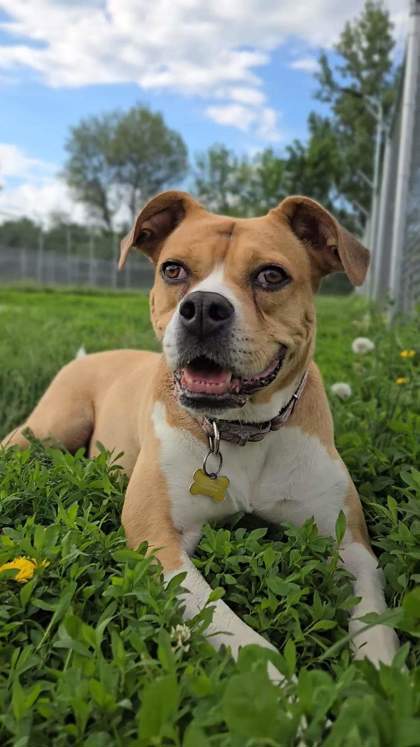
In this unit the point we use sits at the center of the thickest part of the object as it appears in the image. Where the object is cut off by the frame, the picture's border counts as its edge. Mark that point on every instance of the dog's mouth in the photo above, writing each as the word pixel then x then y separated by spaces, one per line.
pixel 204 382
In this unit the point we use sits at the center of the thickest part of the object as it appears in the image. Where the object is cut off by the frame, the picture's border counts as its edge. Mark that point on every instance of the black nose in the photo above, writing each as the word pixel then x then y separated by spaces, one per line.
pixel 204 313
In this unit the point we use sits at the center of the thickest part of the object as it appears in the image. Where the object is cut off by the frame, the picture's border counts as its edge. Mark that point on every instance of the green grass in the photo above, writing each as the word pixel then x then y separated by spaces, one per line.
pixel 41 331
pixel 88 652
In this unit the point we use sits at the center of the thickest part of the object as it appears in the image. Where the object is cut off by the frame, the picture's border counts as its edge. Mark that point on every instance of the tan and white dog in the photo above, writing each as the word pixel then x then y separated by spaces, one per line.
pixel 233 303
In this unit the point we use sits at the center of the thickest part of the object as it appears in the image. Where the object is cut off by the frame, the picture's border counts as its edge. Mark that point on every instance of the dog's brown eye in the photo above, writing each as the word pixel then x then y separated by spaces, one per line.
pixel 271 277
pixel 173 272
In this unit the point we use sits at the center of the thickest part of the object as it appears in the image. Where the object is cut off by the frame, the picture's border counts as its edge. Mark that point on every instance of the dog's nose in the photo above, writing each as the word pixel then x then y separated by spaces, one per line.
pixel 205 313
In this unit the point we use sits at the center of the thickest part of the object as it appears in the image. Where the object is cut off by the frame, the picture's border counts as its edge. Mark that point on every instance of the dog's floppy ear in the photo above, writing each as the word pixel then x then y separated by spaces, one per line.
pixel 155 222
pixel 331 247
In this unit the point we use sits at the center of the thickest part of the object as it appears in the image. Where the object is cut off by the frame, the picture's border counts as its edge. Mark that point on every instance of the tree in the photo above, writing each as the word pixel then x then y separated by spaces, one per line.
pixel 314 168
pixel 90 171
pixel 268 183
pixel 122 156
pixel 147 155
pixel 361 81
pixel 219 180
pixel 20 232
pixel 238 185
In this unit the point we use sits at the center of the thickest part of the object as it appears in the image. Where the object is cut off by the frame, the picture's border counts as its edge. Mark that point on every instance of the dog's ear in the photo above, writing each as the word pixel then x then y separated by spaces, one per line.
pixel 331 247
pixel 159 217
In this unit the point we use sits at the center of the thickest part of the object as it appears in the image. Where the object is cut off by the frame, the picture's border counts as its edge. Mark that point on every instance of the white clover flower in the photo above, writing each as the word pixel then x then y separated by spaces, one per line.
pixel 81 353
pixel 181 636
pixel 362 345
pixel 364 323
pixel 341 390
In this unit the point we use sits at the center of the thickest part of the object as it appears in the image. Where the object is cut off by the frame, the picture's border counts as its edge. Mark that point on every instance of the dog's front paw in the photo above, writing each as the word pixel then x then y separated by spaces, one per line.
pixel 378 644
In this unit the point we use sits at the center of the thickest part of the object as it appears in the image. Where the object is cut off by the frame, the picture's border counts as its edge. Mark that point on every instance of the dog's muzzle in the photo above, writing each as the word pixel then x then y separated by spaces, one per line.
pixel 205 375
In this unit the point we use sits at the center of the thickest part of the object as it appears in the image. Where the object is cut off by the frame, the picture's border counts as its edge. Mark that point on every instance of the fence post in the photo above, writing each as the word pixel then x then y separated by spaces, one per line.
pixel 69 266
pixel 115 261
pixel 92 273
pixel 23 264
pixel 40 268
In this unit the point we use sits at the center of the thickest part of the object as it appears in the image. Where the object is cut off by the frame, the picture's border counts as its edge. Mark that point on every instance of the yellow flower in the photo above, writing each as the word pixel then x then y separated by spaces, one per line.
pixel 401 380
pixel 24 566
pixel 407 353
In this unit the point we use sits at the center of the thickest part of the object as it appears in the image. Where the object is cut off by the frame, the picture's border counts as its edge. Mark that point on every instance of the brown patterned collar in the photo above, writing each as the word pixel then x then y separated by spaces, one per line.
pixel 240 433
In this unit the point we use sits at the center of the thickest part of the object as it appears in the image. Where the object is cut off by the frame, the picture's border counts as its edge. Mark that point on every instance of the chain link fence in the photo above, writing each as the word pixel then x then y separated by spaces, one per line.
pixel 396 265
pixel 49 268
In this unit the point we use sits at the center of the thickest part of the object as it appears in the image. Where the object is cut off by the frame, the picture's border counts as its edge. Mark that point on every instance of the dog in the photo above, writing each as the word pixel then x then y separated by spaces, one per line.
pixel 233 415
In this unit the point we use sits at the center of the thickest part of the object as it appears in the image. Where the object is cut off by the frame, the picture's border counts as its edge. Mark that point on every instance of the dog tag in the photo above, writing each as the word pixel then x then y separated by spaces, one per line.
pixel 211 487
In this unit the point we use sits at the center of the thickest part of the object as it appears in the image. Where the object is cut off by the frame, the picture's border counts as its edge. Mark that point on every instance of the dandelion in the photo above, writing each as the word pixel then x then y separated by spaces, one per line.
pixel 407 353
pixel 181 636
pixel 341 390
pixel 25 567
pixel 362 345
pixel 81 353
pixel 364 323
pixel 401 380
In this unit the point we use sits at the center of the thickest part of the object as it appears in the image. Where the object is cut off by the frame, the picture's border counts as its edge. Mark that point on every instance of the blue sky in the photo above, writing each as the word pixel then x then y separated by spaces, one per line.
pixel 231 75
pixel 39 117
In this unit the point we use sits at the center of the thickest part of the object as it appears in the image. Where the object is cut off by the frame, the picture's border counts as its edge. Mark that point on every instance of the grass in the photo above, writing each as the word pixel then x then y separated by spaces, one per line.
pixel 40 331
pixel 89 650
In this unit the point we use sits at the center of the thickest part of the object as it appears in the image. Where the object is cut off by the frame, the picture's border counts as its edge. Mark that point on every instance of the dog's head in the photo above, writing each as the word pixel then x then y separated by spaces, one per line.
pixel 233 298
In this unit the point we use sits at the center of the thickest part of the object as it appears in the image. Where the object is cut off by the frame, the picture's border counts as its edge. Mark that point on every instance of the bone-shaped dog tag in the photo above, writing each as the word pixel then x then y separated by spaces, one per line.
pixel 212 487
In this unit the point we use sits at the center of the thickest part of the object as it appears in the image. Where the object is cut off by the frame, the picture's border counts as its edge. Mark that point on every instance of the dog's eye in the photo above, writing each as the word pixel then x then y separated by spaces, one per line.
pixel 271 277
pixel 173 272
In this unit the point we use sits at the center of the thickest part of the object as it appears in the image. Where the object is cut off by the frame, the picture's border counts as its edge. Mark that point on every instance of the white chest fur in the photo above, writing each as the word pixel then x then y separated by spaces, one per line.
pixel 287 476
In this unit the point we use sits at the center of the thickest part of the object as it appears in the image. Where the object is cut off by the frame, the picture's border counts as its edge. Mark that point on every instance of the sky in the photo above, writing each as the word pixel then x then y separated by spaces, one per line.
pixel 238 72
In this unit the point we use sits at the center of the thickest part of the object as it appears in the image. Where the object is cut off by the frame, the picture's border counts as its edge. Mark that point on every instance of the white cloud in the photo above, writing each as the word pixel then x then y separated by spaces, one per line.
pixel 232 115
pixel 39 202
pixel 169 43
pixel 250 96
pixel 211 50
pixel 30 187
pixel 33 188
pixel 306 64
pixel 262 122
pixel 267 125
pixel 185 46
pixel 15 163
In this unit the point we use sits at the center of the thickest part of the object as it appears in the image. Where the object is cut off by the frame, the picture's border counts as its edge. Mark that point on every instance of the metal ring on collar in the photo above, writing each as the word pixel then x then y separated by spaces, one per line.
pixel 214 439
pixel 213 475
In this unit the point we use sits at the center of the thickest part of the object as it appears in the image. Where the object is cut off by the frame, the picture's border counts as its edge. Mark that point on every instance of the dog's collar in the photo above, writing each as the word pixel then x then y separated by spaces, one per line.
pixel 240 433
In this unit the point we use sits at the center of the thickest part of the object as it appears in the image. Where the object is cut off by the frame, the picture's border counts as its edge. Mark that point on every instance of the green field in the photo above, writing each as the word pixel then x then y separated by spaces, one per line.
pixel 89 654
pixel 41 331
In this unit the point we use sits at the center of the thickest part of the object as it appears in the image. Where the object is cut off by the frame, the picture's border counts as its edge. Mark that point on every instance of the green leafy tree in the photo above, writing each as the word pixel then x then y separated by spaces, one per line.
pixel 218 180
pixel 268 183
pixel 147 155
pixel 22 233
pixel 357 84
pixel 314 168
pixel 122 156
pixel 238 185
pixel 90 171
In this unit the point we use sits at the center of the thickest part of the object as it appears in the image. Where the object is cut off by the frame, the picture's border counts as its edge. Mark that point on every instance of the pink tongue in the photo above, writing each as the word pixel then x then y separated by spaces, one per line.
pixel 208 382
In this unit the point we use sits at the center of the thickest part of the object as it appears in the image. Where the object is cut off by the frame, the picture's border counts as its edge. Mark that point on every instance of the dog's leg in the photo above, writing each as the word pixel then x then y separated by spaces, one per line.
pixel 64 413
pixel 380 642
pixel 146 516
